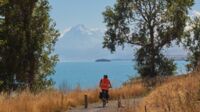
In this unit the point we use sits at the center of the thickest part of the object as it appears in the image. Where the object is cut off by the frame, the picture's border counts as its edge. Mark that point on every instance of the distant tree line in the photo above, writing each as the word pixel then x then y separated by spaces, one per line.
pixel 27 38
pixel 150 26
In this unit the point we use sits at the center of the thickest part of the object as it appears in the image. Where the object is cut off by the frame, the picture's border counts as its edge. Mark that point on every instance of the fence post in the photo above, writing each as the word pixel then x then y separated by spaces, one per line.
pixel 119 102
pixel 86 101
pixel 145 108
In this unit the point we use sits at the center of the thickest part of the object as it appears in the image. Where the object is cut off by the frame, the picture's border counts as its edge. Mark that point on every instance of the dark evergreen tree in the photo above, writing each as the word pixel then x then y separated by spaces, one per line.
pixel 150 25
pixel 29 33
pixel 2 42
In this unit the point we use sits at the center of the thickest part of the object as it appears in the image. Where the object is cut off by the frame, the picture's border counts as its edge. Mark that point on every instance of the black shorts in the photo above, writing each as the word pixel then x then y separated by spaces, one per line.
pixel 104 94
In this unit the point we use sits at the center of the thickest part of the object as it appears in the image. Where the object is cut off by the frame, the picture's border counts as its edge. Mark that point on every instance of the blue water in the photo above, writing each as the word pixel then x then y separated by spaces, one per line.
pixel 88 74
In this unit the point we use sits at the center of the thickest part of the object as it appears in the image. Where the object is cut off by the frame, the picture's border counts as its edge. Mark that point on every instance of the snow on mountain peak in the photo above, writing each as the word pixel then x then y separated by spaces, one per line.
pixel 79 27
pixel 82 30
pixel 80 42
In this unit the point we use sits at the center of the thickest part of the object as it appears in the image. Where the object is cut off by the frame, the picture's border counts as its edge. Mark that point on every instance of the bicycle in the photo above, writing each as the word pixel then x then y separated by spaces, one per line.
pixel 104 98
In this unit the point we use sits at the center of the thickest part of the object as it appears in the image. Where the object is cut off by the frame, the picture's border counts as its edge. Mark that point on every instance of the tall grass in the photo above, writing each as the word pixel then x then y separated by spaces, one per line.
pixel 46 101
pixel 176 94
pixel 59 101
pixel 179 94
pixel 131 90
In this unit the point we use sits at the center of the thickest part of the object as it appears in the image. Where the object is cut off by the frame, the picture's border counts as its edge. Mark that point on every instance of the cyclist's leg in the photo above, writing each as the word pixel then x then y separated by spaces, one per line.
pixel 104 99
pixel 104 94
pixel 107 95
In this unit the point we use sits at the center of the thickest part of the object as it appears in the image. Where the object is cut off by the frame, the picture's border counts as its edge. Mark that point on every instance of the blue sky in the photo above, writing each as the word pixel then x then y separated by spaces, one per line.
pixel 68 13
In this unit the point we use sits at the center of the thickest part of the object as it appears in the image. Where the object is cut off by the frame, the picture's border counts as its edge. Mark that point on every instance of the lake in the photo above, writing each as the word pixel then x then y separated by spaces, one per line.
pixel 88 74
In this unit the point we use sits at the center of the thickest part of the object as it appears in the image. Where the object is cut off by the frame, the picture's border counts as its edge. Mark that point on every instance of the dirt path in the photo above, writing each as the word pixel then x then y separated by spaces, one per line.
pixel 112 106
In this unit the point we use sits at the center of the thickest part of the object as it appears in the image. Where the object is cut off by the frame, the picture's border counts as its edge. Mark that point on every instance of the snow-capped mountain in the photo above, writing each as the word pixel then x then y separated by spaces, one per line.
pixel 80 43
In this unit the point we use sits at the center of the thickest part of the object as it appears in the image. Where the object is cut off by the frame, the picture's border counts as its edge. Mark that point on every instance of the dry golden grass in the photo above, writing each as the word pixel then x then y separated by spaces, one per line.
pixel 129 91
pixel 58 101
pixel 47 101
pixel 178 94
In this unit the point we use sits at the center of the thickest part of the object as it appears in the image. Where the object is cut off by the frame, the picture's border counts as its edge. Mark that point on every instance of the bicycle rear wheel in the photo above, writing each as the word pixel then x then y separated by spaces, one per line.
pixel 104 102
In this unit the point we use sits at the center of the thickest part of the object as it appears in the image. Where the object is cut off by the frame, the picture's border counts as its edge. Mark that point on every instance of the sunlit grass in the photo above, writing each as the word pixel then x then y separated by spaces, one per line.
pixel 178 94
pixel 58 101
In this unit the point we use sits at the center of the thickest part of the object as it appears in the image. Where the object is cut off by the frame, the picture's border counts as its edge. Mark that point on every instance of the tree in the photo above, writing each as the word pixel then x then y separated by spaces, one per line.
pixel 29 32
pixel 45 39
pixel 150 25
pixel 192 43
pixel 2 2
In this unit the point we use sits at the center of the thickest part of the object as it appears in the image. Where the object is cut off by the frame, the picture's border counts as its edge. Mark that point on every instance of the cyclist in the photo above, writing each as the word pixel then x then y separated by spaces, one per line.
pixel 105 85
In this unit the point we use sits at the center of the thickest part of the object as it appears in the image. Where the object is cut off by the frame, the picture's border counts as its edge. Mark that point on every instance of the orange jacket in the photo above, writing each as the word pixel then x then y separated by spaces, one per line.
pixel 105 84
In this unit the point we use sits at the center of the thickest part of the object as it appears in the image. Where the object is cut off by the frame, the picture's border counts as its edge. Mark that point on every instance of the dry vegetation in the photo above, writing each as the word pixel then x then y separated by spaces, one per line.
pixel 178 94
pixel 135 89
pixel 46 101
pixel 58 101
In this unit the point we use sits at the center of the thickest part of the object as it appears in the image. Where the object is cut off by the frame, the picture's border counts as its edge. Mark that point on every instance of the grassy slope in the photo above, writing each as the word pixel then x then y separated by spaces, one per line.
pixel 179 94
